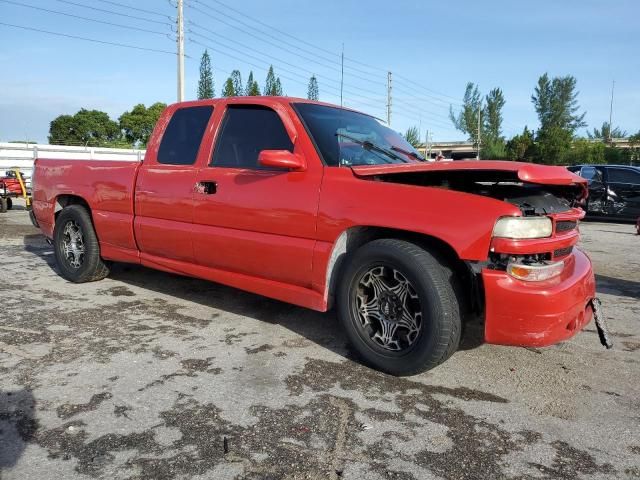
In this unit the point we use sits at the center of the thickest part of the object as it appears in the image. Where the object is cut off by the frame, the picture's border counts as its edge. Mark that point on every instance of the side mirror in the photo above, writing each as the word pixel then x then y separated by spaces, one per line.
pixel 282 159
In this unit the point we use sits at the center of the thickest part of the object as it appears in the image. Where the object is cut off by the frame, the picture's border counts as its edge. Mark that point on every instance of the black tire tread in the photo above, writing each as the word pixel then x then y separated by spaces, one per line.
pixel 3 205
pixel 441 277
pixel 97 269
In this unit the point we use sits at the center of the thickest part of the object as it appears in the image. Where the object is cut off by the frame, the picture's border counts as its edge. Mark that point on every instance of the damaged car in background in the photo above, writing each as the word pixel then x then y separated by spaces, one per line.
pixel 614 191
pixel 325 207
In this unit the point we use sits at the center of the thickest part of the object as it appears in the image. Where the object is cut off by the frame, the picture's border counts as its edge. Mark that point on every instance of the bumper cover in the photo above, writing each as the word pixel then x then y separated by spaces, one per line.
pixel 537 314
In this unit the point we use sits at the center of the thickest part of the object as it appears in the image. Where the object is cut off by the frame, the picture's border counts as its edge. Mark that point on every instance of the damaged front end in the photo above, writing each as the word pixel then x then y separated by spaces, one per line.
pixel 535 288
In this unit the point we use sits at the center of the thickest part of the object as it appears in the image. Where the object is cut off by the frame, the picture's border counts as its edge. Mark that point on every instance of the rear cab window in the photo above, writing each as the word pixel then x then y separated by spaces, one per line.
pixel 182 137
pixel 247 130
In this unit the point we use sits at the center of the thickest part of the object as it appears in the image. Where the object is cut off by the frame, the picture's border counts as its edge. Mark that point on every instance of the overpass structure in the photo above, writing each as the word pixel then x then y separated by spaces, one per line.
pixel 460 150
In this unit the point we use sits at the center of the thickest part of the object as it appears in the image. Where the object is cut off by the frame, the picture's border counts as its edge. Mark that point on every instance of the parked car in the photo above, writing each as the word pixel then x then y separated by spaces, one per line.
pixel 322 206
pixel 614 190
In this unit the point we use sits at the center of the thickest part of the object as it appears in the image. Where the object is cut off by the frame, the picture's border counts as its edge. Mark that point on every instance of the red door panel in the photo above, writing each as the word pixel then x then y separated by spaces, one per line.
pixel 260 223
pixel 164 211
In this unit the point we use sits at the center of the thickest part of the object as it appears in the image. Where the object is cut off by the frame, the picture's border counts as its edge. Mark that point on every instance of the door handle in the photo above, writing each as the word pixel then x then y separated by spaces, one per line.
pixel 206 187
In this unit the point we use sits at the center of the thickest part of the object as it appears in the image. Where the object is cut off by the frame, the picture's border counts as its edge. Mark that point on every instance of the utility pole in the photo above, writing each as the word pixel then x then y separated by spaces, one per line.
pixel 180 21
pixel 426 145
pixel 479 130
pixel 611 113
pixel 341 73
pixel 389 99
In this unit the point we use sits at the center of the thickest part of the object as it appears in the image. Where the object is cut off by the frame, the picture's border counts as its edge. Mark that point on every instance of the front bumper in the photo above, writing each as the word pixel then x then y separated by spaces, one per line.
pixel 537 314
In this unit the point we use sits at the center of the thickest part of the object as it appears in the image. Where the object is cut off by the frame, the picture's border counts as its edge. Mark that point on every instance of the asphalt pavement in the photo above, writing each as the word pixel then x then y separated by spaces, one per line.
pixel 154 376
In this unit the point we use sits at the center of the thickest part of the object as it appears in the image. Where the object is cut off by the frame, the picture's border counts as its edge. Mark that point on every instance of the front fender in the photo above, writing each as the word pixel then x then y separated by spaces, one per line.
pixel 462 220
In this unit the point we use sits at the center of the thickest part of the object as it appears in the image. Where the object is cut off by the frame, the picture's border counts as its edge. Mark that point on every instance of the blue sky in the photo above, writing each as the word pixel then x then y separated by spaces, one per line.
pixel 432 47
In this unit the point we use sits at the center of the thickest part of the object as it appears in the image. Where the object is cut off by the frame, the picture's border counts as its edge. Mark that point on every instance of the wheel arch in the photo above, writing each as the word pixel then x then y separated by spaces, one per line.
pixel 355 237
pixel 65 199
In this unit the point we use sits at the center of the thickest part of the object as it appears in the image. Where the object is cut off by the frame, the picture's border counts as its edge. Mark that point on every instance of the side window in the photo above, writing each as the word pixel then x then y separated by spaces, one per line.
pixel 246 131
pixel 591 173
pixel 623 175
pixel 181 140
pixel 588 172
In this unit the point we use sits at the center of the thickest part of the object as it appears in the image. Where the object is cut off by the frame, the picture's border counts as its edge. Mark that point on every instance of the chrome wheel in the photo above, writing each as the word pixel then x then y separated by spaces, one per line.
pixel 388 308
pixel 73 244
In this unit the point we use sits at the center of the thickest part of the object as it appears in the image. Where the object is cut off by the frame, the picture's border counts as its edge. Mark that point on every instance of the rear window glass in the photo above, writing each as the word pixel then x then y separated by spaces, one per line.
pixel 181 140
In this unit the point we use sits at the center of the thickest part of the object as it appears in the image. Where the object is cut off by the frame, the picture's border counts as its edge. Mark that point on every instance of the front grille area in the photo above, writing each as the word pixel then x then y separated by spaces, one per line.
pixel 565 225
pixel 562 252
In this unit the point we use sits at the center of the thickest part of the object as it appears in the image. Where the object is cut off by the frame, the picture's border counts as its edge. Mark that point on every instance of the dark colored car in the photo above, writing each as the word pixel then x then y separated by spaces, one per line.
pixel 614 190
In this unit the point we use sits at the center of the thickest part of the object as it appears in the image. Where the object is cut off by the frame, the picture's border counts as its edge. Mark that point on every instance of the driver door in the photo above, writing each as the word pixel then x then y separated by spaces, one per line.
pixel 253 220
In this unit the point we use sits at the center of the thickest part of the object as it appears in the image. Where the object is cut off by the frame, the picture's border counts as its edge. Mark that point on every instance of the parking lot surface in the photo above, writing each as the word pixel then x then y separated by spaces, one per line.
pixel 151 375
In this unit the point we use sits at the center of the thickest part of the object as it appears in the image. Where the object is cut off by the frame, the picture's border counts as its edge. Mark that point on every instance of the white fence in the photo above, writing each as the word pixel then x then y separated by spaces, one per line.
pixel 21 155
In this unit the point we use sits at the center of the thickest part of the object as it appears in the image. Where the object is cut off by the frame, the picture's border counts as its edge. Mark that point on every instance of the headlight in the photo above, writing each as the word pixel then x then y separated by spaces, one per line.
pixel 523 227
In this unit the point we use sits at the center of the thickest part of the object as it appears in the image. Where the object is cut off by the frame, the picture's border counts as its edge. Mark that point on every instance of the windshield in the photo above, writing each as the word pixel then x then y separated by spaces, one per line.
pixel 350 138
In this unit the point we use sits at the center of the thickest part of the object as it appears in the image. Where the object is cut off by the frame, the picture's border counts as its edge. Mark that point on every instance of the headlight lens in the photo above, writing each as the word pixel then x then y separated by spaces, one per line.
pixel 523 227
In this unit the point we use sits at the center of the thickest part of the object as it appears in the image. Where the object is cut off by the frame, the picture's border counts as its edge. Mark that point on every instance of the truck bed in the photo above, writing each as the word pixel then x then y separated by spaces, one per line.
pixel 108 185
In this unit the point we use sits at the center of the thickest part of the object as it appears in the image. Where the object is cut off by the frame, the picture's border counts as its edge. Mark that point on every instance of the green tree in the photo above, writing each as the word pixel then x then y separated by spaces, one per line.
pixel 521 147
pixel 556 103
pixel 313 93
pixel 633 153
pixel 467 119
pixel 86 127
pixel 584 151
pixel 493 145
pixel 252 88
pixel 205 84
pixel 228 89
pixel 492 116
pixel 606 133
pixel 137 125
pixel 236 79
pixel 413 136
pixel 272 85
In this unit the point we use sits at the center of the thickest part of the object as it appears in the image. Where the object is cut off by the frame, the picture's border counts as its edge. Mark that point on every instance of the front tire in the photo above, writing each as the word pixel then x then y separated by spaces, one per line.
pixel 9 203
pixel 76 246
pixel 397 304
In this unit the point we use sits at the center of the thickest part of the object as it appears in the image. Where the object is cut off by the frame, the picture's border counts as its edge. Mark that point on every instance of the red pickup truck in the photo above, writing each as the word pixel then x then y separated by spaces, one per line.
pixel 322 206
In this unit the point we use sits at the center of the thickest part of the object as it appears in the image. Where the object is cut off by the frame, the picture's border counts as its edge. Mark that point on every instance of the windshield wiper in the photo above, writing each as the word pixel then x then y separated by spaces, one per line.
pixel 370 146
pixel 411 154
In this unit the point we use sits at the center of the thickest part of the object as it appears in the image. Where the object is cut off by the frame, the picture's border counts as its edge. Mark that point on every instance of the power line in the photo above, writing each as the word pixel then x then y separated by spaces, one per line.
pixel 114 13
pixel 335 60
pixel 87 39
pixel 300 40
pixel 150 12
pixel 83 18
pixel 292 72
pixel 327 64
pixel 310 72
pixel 244 60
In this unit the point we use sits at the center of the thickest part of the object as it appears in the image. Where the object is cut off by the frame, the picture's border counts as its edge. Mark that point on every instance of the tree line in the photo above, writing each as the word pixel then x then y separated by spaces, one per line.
pixel 233 86
pixel 555 101
pixel 555 142
pixel 94 128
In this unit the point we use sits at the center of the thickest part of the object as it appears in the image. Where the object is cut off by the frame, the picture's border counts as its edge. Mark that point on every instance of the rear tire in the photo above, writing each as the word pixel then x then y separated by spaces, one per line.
pixel 3 204
pixel 9 203
pixel 76 246
pixel 397 304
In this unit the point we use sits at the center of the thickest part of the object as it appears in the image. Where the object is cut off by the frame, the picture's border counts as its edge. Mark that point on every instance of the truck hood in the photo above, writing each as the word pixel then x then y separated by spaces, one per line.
pixel 525 172
pixel 535 189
